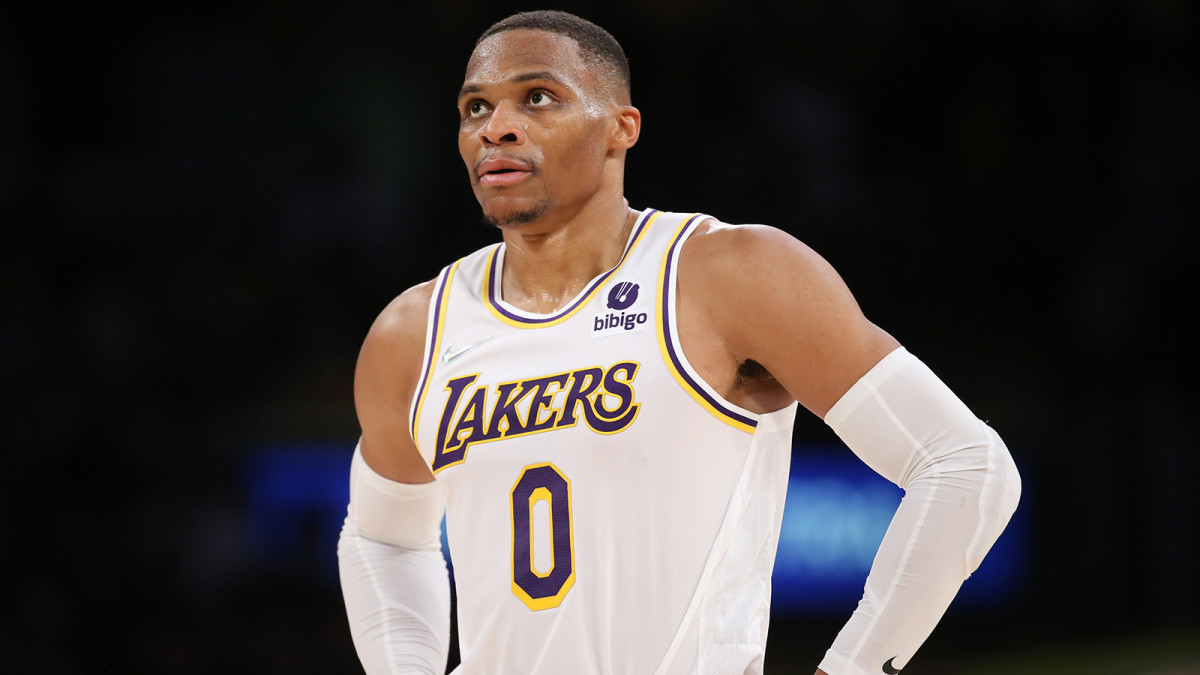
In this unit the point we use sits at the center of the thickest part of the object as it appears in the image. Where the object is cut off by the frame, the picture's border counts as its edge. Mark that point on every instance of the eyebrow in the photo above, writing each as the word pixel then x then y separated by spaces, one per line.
pixel 523 77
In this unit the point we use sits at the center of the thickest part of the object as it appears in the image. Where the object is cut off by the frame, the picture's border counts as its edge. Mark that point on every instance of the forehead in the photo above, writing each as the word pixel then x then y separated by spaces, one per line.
pixel 511 53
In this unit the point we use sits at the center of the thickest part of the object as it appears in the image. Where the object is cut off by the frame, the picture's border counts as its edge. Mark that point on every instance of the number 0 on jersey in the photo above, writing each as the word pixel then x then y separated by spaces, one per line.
pixel 542 574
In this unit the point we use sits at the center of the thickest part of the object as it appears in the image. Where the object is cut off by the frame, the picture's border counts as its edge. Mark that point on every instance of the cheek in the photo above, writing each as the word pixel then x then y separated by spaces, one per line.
pixel 465 149
pixel 583 148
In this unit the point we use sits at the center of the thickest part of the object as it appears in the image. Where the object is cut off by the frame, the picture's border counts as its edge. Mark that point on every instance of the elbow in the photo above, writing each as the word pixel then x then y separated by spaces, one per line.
pixel 998 495
pixel 1008 477
pixel 995 482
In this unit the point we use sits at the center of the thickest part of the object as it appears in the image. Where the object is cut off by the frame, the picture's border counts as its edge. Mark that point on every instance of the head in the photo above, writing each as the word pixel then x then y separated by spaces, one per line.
pixel 545 117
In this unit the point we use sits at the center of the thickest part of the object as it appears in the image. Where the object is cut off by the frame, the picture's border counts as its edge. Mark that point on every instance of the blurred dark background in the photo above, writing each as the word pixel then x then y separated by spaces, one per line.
pixel 203 207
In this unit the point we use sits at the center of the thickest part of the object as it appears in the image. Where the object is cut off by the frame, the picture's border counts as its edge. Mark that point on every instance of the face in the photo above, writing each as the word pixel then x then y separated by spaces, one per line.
pixel 536 126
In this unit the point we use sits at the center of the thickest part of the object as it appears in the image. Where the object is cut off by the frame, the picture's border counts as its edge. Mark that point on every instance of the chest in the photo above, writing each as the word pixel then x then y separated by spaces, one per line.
pixel 492 381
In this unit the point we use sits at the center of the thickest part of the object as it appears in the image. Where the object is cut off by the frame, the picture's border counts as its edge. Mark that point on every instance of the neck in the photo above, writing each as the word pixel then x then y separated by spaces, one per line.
pixel 548 262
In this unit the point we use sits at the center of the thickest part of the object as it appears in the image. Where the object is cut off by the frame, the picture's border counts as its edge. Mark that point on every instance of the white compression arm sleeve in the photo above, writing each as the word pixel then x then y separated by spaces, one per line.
pixel 961 487
pixel 394 578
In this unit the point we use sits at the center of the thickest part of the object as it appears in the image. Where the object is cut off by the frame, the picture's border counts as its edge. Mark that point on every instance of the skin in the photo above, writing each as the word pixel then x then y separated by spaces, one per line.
pixel 529 97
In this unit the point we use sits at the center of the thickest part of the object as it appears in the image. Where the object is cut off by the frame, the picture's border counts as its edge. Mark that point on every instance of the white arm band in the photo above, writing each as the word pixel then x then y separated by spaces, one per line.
pixel 394 578
pixel 961 487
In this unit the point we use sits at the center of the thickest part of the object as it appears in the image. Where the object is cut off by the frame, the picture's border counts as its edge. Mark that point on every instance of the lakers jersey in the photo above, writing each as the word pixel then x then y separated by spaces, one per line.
pixel 607 510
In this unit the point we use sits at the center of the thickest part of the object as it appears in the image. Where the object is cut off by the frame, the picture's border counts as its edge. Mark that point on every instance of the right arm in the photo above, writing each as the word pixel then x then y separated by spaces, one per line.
pixel 393 576
pixel 385 380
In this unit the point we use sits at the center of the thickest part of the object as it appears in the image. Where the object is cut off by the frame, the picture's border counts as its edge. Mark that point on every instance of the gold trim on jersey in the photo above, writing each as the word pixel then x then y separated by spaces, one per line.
pixel 442 298
pixel 668 350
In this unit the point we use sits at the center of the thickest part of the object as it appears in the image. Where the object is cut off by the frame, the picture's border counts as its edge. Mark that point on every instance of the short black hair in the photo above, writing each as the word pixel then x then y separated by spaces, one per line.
pixel 596 43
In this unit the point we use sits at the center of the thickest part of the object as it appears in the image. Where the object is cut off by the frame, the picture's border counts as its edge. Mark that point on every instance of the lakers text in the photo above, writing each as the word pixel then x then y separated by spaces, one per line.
pixel 602 397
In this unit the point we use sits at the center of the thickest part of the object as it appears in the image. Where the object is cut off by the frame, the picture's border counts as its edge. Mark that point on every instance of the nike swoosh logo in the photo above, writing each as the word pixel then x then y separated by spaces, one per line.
pixel 889 668
pixel 451 353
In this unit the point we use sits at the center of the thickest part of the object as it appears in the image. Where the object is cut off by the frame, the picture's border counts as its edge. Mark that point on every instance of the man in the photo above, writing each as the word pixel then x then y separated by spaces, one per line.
pixel 602 406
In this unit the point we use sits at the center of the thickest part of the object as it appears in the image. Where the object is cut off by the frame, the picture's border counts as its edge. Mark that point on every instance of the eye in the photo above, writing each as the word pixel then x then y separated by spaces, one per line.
pixel 476 108
pixel 540 99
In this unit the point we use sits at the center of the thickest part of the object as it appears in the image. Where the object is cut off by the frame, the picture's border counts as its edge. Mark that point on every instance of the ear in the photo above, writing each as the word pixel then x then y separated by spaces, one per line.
pixel 628 128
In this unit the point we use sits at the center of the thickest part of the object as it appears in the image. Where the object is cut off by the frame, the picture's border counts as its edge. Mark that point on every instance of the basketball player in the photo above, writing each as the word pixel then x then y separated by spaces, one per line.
pixel 602 404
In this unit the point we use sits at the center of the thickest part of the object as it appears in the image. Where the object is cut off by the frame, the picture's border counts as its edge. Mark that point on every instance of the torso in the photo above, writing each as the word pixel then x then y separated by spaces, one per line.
pixel 607 505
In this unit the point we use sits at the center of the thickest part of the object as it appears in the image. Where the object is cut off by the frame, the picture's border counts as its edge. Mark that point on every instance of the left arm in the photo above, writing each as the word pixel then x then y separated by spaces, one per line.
pixel 961 487
pixel 773 300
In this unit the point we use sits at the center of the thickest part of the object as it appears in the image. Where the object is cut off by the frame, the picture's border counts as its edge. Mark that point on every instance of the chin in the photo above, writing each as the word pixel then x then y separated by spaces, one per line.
pixel 515 217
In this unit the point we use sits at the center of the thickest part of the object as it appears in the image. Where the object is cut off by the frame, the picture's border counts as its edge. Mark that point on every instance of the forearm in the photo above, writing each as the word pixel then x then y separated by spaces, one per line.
pixel 394 578
pixel 961 488
pixel 398 605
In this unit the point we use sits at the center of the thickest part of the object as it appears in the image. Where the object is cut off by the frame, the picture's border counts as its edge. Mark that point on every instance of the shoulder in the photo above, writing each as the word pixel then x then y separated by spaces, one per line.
pixel 762 257
pixel 769 298
pixel 397 337
pixel 405 314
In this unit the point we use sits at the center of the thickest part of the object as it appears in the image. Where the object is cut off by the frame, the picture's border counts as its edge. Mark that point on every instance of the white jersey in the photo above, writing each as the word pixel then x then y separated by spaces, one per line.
pixel 607 510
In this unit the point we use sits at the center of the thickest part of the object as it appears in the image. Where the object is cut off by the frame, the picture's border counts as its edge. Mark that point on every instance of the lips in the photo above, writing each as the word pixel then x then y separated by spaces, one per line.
pixel 503 171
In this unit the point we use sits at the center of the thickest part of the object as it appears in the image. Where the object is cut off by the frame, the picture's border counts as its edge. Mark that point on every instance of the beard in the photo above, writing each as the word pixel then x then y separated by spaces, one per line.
pixel 518 218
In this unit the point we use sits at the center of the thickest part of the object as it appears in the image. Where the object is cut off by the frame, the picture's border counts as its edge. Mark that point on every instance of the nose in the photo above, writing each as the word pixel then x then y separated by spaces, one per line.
pixel 503 126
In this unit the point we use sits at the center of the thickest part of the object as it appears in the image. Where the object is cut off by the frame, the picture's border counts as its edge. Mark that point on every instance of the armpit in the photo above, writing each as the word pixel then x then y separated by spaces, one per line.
pixel 751 373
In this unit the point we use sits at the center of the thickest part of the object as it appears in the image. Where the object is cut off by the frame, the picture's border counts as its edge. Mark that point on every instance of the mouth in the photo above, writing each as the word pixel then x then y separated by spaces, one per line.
pixel 503 171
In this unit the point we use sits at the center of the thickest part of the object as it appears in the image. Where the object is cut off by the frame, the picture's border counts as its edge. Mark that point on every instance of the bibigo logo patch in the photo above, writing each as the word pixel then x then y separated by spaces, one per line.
pixel 622 311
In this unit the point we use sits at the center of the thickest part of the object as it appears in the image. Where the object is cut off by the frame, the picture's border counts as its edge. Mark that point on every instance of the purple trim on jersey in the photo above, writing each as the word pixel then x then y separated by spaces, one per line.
pixel 583 297
pixel 669 340
pixel 433 345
